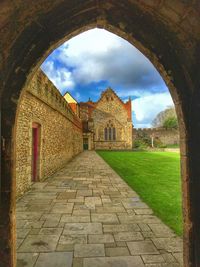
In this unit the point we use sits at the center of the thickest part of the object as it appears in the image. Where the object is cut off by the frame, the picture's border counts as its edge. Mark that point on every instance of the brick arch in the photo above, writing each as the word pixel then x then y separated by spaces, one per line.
pixel 168 34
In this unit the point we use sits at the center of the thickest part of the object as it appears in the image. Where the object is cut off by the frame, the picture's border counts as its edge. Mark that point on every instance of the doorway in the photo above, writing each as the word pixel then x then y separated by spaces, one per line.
pixel 85 143
pixel 36 134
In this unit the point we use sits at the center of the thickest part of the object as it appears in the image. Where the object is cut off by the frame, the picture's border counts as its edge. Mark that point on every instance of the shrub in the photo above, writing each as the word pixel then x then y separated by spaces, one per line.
pixel 139 144
pixel 142 141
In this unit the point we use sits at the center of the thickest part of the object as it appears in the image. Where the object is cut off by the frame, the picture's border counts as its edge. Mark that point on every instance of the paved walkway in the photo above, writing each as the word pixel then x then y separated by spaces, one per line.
pixel 87 216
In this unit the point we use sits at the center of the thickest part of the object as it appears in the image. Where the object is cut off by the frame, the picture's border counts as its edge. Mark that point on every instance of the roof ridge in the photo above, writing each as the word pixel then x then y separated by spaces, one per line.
pixel 104 92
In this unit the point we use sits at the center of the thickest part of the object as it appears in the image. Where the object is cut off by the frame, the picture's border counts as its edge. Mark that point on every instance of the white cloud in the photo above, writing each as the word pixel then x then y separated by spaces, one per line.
pixel 97 55
pixel 146 108
pixel 61 78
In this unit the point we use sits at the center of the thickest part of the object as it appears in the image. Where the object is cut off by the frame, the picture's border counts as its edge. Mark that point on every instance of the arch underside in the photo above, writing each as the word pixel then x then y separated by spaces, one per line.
pixel 30 31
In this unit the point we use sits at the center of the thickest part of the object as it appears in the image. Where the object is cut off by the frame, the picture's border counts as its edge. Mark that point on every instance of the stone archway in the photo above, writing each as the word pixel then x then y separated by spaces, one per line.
pixel 167 32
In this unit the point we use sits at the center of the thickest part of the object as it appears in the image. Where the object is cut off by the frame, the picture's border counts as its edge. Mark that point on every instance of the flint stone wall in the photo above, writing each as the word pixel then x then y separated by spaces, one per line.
pixel 61 131
pixel 166 136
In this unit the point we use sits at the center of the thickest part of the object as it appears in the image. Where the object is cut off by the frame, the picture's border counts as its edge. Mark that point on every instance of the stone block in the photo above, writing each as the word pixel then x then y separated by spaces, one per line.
pixel 84 193
pixel 72 239
pixel 82 228
pixel 153 258
pixel 118 251
pixel 128 236
pixel 89 250
pixel 104 218
pixel 66 195
pixel 26 259
pixel 128 261
pixel 169 244
pixel 142 247
pixel 51 231
pixel 161 230
pixel 39 243
pixel 120 228
pixel 98 239
pixel 74 219
pixel 91 202
pixel 58 259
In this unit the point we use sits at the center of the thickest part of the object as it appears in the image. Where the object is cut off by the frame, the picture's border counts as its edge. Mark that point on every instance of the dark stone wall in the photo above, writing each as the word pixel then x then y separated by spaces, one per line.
pixel 167 32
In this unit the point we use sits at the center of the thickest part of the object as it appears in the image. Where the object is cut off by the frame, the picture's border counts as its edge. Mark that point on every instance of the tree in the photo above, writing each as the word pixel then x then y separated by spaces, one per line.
pixel 163 116
pixel 170 123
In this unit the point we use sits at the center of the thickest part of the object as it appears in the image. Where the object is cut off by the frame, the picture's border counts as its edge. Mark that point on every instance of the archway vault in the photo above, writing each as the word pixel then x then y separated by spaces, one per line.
pixel 167 32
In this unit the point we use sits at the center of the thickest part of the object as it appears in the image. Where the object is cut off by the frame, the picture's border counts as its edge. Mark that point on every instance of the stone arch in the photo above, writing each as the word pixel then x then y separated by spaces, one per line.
pixel 168 34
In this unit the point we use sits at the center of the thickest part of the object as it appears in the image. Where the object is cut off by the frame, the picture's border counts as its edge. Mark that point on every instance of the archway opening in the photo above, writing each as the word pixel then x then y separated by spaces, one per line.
pixel 112 132
pixel 176 57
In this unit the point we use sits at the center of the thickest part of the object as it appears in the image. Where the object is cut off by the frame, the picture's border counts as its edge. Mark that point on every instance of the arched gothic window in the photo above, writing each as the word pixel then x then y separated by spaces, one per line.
pixel 106 134
pixel 114 134
pixel 109 132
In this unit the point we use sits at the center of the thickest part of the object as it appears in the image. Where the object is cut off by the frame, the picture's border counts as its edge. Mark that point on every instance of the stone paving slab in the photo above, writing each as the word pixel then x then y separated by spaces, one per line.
pixel 128 236
pixel 83 228
pixel 39 243
pixel 73 239
pixel 89 250
pixel 142 247
pixel 153 258
pixel 98 239
pixel 168 244
pixel 123 261
pixel 26 259
pixel 114 228
pixel 105 218
pixel 85 215
pixel 118 251
pixel 55 259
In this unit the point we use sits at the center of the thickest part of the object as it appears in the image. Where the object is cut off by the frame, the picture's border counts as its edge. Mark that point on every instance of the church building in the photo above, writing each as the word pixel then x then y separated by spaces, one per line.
pixel 107 123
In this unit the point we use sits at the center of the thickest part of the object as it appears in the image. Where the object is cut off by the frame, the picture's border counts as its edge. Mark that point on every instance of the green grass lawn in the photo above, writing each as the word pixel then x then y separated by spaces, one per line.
pixel 155 176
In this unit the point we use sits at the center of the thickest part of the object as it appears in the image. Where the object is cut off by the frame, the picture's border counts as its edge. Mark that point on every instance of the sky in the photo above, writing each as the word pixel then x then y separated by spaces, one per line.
pixel 96 59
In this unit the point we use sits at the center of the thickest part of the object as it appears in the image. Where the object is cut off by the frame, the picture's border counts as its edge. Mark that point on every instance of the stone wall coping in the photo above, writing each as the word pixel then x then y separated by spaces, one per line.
pixel 154 129
pixel 110 142
pixel 42 88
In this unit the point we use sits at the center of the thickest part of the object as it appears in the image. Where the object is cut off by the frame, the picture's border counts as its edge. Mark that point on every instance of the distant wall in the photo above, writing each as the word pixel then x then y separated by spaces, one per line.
pixel 61 131
pixel 167 137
